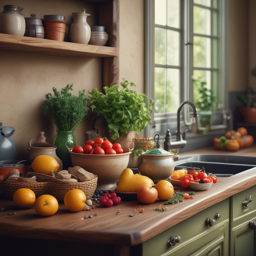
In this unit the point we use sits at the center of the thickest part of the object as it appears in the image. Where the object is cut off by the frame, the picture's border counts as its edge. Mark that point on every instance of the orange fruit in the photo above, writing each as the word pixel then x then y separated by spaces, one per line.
pixel 45 164
pixel 24 197
pixel 74 200
pixel 46 205
pixel 242 131
pixel 165 190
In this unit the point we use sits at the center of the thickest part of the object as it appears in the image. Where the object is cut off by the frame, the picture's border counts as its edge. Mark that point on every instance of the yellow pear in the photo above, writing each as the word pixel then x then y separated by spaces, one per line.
pixel 130 182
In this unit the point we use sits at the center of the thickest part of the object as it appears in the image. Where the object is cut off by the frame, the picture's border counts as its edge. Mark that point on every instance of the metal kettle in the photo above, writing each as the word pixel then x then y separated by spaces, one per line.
pixel 8 149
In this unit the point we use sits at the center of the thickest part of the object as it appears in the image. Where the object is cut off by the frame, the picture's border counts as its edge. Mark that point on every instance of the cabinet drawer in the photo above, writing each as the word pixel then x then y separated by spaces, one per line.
pixel 190 230
pixel 239 206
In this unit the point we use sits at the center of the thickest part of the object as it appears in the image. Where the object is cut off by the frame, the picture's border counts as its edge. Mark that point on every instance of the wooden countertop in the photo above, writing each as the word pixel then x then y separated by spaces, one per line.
pixel 108 227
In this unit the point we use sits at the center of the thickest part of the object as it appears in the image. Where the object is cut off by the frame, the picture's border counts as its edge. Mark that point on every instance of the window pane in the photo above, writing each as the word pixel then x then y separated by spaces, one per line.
pixel 215 24
pixel 215 53
pixel 173 19
pixel 173 47
pixel 160 12
pixel 160 78
pixel 160 46
pixel 202 21
pixel 203 2
pixel 202 52
pixel 215 3
pixel 172 90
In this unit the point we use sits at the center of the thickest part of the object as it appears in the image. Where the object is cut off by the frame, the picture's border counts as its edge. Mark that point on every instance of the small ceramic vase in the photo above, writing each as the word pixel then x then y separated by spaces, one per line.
pixel 80 31
pixel 39 146
pixel 34 27
pixel 12 20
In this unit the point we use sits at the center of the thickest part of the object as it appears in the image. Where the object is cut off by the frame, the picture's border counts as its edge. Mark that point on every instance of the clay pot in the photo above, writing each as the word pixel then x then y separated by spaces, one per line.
pixel 39 146
pixel 249 115
pixel 125 141
pixel 55 29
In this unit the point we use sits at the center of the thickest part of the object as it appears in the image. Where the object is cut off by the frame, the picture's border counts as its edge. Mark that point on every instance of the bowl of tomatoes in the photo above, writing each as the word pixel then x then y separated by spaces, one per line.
pixel 102 158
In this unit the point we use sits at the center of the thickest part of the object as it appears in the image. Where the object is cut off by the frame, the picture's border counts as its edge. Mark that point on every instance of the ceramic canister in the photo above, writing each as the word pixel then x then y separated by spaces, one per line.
pixel 12 20
pixel 80 31
pixel 34 27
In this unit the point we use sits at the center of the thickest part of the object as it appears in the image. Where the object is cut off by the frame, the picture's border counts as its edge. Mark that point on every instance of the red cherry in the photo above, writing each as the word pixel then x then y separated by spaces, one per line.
pixel 87 149
pixel 109 203
pixel 116 200
pixel 113 194
pixel 103 200
pixel 109 196
pixel 106 194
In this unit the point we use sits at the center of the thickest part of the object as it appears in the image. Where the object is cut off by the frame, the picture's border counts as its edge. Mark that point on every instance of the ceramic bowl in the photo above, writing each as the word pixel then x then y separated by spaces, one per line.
pixel 174 182
pixel 200 186
pixel 108 168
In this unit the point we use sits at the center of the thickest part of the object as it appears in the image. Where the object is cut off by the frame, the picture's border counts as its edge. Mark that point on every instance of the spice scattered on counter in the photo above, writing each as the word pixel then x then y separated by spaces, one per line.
pixel 178 197
pixel 141 210
pixel 131 215
pixel 161 209
pixel 1 208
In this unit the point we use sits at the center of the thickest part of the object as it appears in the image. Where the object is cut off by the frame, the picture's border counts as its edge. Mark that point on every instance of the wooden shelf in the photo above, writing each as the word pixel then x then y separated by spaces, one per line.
pixel 45 46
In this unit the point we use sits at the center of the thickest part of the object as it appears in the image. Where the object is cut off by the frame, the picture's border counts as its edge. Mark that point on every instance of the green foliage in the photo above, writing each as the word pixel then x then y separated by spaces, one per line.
pixel 204 99
pixel 65 109
pixel 125 110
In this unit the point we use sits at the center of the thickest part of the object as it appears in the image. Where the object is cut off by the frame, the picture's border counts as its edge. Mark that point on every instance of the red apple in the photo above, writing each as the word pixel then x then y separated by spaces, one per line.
pixel 147 194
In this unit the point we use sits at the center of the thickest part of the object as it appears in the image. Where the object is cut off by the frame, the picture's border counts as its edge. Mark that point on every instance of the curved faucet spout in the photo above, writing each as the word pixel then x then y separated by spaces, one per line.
pixel 178 116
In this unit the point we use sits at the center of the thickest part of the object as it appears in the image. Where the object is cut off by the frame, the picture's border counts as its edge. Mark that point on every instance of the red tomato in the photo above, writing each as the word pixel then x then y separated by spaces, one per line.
pixel 95 145
pixel 87 149
pixel 125 150
pixel 189 177
pixel 107 142
pixel 201 175
pixel 184 182
pixel 98 141
pixel 98 151
pixel 89 142
pixel 207 180
pixel 147 194
pixel 116 145
pixel 119 150
pixel 106 146
pixel 196 180
pixel 78 149
pixel 213 178
pixel 110 151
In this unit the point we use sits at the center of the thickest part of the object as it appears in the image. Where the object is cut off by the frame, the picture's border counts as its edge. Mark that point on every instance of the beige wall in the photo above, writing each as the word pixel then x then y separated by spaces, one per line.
pixel 25 78
pixel 238 45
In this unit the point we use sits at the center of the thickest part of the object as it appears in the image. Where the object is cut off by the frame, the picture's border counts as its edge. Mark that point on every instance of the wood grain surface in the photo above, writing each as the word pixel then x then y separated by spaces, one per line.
pixel 53 47
pixel 108 227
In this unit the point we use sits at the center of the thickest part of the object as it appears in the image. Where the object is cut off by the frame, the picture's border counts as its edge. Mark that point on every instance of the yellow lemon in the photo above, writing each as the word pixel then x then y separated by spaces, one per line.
pixel 45 164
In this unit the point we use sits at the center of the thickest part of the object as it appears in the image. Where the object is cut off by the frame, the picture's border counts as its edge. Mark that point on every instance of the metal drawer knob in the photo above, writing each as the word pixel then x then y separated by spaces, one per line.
pixel 210 221
pixel 246 202
pixel 252 224
pixel 173 240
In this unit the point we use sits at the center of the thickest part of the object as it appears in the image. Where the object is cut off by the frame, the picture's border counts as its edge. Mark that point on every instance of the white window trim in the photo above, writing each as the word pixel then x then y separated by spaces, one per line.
pixel 186 90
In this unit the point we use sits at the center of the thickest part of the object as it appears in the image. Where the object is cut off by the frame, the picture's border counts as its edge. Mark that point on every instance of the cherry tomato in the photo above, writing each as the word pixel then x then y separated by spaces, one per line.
pixel 89 142
pixel 119 150
pixel 189 177
pixel 106 146
pixel 202 175
pixel 98 151
pixel 196 180
pixel 214 179
pixel 95 145
pixel 207 180
pixel 78 149
pixel 107 142
pixel 87 149
pixel 110 151
pixel 184 182
pixel 116 145
pixel 98 141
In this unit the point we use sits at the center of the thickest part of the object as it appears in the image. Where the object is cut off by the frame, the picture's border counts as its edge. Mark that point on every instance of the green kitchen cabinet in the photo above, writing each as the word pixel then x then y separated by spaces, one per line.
pixel 243 223
pixel 196 238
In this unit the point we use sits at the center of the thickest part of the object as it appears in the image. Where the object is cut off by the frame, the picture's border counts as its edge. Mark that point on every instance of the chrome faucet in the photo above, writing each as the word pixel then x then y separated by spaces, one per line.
pixel 181 137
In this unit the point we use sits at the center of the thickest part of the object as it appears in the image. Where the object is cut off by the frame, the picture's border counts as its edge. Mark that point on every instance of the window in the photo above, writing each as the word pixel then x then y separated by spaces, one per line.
pixel 186 44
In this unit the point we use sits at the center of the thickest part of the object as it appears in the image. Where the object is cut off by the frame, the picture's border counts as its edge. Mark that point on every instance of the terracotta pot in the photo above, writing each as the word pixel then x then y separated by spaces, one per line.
pixel 249 115
pixel 5 170
pixel 125 141
pixel 55 29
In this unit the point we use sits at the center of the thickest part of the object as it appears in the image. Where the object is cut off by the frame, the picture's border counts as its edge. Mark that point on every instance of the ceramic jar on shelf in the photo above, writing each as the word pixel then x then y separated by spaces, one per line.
pixel 80 31
pixel 34 27
pixel 98 36
pixel 12 20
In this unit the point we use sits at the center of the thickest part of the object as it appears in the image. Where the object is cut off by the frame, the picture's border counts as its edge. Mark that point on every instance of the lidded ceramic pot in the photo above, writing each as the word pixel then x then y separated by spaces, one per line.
pixel 38 146
pixel 98 36
pixel 12 20
pixel 80 31
pixel 34 27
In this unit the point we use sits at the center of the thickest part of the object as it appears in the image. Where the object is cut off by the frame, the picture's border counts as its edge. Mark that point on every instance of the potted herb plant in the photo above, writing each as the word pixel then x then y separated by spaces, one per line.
pixel 124 109
pixel 204 101
pixel 66 111
pixel 248 110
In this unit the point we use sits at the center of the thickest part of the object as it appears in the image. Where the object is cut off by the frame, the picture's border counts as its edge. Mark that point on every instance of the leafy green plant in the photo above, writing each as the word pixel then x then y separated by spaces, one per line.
pixel 203 97
pixel 65 109
pixel 247 99
pixel 125 110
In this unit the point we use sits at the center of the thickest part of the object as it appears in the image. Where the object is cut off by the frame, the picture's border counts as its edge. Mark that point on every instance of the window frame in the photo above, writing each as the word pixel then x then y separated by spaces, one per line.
pixel 169 120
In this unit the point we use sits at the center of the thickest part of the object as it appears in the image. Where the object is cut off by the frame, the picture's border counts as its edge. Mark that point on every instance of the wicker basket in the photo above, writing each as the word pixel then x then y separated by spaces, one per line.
pixel 10 187
pixel 59 189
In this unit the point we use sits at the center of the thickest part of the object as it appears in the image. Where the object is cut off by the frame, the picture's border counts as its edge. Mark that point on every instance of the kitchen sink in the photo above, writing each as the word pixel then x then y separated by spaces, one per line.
pixel 219 165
